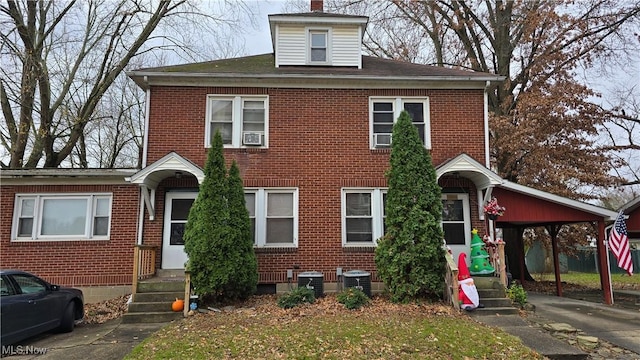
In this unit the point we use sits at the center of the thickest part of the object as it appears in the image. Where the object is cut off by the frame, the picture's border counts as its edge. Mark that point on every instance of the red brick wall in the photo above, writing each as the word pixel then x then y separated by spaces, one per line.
pixel 305 121
pixel 75 263
pixel 319 143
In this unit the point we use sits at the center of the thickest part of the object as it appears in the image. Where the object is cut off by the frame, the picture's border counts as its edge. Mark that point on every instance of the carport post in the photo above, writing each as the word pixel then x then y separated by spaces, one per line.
pixel 603 265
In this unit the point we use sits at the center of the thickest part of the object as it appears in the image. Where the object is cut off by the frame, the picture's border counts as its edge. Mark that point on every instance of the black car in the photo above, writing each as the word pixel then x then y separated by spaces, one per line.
pixel 31 306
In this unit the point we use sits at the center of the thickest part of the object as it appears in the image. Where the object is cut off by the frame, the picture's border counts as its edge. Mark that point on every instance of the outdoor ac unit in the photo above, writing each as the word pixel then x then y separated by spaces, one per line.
pixel 358 279
pixel 252 138
pixel 381 139
pixel 312 280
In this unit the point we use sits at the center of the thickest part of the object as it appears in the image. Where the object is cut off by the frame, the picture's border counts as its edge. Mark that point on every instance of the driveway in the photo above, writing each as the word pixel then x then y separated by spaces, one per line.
pixel 109 341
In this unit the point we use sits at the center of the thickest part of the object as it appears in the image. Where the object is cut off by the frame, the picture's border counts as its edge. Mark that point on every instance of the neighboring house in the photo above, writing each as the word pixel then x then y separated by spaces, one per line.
pixel 310 128
pixel 632 211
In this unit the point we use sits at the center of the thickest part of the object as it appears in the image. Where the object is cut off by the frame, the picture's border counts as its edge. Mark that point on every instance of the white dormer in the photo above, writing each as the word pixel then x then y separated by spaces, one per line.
pixel 317 39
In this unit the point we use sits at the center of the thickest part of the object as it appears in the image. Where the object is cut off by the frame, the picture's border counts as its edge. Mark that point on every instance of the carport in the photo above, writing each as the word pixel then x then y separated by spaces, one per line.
pixel 528 207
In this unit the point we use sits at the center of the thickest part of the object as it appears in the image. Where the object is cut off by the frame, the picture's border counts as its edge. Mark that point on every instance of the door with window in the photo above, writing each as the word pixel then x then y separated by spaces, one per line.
pixel 456 223
pixel 177 206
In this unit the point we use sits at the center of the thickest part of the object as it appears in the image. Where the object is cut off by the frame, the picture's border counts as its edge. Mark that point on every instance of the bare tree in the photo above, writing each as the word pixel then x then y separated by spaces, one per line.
pixel 623 131
pixel 59 59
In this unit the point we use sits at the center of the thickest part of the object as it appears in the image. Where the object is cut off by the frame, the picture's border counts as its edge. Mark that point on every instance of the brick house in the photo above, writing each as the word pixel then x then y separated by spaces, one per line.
pixel 309 126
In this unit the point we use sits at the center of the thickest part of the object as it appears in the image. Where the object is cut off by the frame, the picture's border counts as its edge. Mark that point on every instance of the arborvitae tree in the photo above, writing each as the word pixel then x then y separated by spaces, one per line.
pixel 410 258
pixel 208 235
pixel 242 259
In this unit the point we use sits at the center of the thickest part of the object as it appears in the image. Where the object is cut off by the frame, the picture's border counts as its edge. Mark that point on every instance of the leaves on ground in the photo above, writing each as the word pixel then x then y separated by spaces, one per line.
pixel 325 329
pixel 98 313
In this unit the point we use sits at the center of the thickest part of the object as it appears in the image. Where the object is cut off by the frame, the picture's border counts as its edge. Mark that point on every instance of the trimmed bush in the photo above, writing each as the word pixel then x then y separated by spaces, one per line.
pixel 353 298
pixel 517 294
pixel 296 297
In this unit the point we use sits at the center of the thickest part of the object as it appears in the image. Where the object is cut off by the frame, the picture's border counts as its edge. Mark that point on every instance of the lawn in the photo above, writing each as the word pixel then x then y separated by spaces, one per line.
pixel 326 330
pixel 592 280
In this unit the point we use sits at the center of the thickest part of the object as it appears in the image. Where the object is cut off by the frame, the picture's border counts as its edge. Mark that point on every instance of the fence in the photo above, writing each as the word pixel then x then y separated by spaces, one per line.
pixel 587 262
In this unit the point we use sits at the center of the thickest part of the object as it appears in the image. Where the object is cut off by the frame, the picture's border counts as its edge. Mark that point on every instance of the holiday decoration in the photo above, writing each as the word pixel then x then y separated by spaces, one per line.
pixel 492 249
pixel 493 210
pixel 467 292
pixel 480 262
pixel 177 305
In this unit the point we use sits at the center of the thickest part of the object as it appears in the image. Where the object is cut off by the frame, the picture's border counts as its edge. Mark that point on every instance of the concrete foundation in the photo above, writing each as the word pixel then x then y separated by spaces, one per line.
pixel 94 294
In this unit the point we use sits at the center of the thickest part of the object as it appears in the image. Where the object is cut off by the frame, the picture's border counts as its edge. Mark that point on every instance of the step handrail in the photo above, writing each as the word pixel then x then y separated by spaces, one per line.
pixel 144 264
pixel 451 282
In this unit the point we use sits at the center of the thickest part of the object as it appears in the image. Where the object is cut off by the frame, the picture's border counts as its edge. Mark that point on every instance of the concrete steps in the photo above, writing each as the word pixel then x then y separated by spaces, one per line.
pixel 153 299
pixel 493 297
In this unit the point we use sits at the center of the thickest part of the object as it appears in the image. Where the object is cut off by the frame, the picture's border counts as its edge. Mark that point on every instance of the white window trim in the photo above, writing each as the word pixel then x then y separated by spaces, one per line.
pixel 466 213
pixel 398 106
pixel 236 120
pixel 377 214
pixel 308 32
pixel 260 236
pixel 37 216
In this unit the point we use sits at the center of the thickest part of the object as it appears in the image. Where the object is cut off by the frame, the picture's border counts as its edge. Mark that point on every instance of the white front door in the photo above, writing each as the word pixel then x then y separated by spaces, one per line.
pixel 456 223
pixel 176 211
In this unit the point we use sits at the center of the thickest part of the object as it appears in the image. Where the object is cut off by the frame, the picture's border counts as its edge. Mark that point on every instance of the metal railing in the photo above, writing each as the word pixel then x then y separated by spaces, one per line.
pixel 144 264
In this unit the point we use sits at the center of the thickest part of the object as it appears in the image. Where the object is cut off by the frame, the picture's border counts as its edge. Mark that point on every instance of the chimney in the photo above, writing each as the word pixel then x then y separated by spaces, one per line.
pixel 317 5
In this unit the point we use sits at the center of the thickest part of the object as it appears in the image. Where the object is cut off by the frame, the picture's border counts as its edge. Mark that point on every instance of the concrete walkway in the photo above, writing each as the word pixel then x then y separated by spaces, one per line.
pixel 617 326
pixel 109 341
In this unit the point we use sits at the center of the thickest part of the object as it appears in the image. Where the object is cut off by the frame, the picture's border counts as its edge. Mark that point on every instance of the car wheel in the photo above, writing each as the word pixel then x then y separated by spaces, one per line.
pixel 68 318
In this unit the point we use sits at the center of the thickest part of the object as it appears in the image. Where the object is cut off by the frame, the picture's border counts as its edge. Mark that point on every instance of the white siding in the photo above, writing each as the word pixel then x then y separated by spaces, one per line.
pixel 291 45
pixel 345 46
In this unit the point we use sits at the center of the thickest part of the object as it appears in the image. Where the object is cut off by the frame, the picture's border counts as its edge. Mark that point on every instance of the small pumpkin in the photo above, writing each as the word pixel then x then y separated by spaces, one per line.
pixel 177 305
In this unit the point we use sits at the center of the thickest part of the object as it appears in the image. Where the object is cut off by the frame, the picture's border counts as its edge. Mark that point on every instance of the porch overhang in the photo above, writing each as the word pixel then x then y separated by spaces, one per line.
pixel 169 165
pixel 466 166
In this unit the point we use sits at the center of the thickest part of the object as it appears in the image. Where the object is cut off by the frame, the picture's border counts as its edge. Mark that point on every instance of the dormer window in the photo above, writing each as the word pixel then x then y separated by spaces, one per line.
pixel 318 41
pixel 318 46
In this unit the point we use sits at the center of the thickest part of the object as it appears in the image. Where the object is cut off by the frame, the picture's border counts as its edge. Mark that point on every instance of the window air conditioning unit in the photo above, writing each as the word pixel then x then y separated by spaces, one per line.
pixel 312 280
pixel 252 138
pixel 381 139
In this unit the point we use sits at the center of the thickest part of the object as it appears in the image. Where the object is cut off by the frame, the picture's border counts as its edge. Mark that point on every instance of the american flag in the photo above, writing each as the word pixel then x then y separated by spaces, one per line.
pixel 619 243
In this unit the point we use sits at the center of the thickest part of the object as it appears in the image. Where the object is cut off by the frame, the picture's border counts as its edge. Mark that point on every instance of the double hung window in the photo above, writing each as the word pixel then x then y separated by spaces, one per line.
pixel 62 217
pixel 318 46
pixel 385 112
pixel 318 49
pixel 363 216
pixel 241 120
pixel 274 216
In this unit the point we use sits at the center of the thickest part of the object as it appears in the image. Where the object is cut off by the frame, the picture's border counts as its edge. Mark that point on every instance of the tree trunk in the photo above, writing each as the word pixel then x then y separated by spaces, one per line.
pixel 514 251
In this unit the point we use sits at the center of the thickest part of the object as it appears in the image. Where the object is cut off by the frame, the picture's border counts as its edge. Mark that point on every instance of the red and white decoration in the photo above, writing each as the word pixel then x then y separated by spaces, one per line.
pixel 467 292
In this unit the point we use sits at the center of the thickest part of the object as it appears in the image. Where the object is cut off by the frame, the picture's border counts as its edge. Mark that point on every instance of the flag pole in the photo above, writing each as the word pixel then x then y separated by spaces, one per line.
pixel 607 232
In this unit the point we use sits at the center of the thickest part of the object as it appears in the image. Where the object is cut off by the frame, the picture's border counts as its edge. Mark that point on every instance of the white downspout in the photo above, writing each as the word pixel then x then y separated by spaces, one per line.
pixel 145 136
pixel 145 143
pixel 486 126
pixel 140 217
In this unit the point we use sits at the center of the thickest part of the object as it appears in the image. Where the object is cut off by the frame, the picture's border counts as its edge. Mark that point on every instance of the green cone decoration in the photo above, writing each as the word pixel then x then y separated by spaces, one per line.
pixel 480 264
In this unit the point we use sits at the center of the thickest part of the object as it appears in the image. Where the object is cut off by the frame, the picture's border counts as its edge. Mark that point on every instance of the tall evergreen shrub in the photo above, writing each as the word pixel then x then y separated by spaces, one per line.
pixel 244 265
pixel 218 259
pixel 410 257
